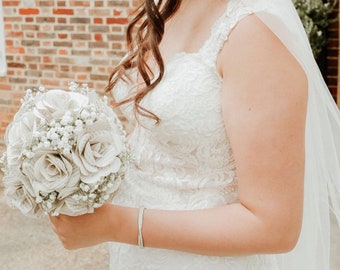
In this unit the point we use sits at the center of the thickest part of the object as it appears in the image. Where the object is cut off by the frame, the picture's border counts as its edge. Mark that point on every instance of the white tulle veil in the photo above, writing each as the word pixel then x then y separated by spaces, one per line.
pixel 322 172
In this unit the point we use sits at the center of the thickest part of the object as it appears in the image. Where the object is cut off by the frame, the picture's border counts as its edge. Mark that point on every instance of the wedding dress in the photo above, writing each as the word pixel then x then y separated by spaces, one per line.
pixel 186 161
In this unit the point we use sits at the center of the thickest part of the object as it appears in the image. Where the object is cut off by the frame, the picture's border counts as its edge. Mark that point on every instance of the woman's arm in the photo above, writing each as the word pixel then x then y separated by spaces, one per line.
pixel 264 106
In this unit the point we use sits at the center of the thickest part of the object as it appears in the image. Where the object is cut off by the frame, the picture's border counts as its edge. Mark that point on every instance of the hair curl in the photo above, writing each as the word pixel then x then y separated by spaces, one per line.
pixel 144 34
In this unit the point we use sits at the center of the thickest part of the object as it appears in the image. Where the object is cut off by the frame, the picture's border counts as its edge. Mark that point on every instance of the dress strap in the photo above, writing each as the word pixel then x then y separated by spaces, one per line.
pixel 236 10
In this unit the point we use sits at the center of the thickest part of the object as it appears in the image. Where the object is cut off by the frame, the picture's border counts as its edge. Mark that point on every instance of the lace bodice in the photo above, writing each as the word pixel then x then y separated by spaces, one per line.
pixel 186 161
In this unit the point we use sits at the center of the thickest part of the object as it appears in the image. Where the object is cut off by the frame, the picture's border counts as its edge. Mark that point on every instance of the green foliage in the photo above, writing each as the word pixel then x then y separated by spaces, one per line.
pixel 316 17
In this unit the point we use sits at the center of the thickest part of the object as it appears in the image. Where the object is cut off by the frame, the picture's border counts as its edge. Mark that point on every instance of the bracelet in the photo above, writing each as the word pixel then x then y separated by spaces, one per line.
pixel 140 227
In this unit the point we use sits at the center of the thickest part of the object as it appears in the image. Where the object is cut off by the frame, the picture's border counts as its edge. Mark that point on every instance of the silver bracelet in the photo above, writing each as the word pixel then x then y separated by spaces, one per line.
pixel 140 227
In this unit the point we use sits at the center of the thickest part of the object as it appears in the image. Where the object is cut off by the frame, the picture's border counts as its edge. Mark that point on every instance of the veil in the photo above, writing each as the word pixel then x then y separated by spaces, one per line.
pixel 322 142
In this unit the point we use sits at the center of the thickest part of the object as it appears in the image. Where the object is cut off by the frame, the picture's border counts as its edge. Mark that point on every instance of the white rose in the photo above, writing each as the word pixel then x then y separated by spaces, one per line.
pixel 19 192
pixel 97 150
pixel 53 104
pixel 17 179
pixel 21 199
pixel 51 171
pixel 73 207
pixel 18 136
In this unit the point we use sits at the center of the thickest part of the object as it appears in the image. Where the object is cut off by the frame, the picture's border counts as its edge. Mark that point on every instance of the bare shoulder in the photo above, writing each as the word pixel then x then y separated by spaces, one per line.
pixel 261 75
pixel 255 51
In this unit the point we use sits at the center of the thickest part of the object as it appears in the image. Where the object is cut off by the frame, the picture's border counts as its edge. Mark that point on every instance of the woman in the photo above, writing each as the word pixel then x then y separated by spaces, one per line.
pixel 234 142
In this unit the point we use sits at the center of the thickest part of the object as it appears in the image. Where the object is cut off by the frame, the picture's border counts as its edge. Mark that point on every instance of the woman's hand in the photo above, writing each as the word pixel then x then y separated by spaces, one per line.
pixel 90 229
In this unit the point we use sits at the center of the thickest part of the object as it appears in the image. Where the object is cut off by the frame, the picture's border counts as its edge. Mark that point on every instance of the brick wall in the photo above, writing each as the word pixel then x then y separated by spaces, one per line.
pixel 52 42
pixel 333 56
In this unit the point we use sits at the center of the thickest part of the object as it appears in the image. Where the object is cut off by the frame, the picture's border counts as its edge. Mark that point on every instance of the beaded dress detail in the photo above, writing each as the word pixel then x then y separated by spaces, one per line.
pixel 186 161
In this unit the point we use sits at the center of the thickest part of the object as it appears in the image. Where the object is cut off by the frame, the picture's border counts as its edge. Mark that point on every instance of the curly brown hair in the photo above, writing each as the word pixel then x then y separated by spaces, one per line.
pixel 144 34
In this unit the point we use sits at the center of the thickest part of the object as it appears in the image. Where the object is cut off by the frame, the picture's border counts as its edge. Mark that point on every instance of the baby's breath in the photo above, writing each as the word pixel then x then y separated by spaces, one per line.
pixel 59 136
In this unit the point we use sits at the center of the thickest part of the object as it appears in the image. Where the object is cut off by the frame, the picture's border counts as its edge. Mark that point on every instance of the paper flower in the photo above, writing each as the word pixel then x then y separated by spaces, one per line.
pixel 66 152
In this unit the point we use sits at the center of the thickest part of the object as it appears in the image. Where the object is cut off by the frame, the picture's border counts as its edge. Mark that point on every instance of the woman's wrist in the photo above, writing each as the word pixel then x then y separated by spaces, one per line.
pixel 123 224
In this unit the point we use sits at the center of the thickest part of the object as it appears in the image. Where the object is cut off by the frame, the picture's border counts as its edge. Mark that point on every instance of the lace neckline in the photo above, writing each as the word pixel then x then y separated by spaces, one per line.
pixel 210 46
pixel 208 42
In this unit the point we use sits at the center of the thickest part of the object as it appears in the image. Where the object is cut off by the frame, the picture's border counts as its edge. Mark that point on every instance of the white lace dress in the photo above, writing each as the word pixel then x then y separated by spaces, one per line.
pixel 186 161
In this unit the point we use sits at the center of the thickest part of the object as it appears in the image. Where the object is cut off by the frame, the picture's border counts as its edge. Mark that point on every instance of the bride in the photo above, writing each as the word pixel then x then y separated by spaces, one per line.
pixel 235 143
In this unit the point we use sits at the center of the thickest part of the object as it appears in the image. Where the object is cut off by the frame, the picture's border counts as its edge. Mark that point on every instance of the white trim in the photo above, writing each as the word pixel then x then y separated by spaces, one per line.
pixel 3 65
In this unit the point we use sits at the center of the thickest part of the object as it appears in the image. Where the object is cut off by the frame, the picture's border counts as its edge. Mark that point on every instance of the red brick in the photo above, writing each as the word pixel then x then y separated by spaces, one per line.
pixel 333 57
pixel 28 11
pixel 8 26
pixel 62 20
pixel 45 35
pixel 65 68
pixel 98 20
pixel 6 118
pixel 116 20
pixel 100 12
pixel 17 19
pixel 62 52
pixel 117 12
pixel 99 77
pixel 10 3
pixel 63 11
pixel 16 65
pixel 47 82
pixel 81 69
pixel 62 35
pixel 33 66
pixel 98 37
pixel 82 36
pixel 80 3
pixel 5 87
pixel 47 59
pixel 82 77
pixel 15 50
pixel 45 19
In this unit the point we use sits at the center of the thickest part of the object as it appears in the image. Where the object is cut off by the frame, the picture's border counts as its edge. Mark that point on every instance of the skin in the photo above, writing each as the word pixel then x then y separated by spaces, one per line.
pixel 264 99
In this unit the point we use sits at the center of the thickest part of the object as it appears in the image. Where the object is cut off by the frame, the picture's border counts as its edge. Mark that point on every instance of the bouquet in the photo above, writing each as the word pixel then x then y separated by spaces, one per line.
pixel 66 152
